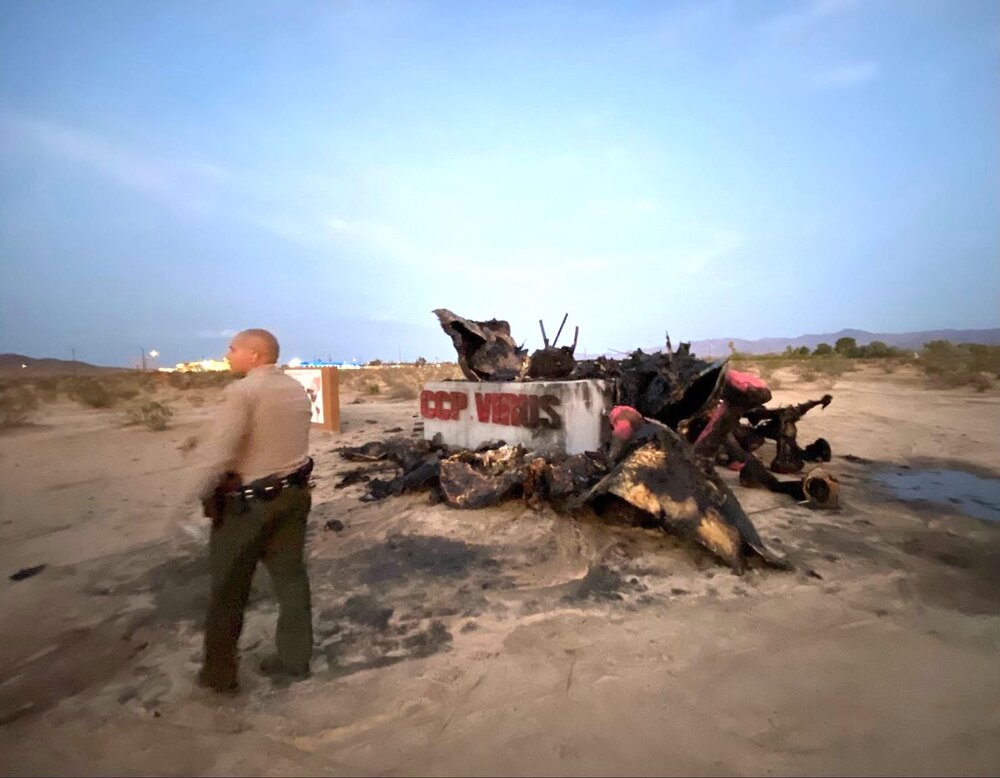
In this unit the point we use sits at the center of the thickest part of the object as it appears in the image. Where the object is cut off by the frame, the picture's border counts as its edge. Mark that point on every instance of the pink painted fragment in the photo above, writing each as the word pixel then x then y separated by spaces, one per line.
pixel 623 430
pixel 744 382
pixel 625 420
pixel 713 420
pixel 624 411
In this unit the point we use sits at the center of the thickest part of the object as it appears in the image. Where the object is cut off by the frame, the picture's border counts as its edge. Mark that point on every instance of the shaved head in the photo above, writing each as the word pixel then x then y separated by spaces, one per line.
pixel 261 341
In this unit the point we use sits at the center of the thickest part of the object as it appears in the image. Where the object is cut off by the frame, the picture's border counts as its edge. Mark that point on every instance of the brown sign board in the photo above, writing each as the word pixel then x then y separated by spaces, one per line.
pixel 322 384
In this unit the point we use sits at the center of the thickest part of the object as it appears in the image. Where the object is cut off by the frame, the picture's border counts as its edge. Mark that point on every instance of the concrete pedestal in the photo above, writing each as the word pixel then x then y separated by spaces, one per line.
pixel 545 416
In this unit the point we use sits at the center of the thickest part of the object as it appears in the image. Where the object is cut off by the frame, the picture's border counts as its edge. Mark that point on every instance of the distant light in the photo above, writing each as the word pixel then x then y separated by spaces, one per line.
pixel 154 353
pixel 23 365
pixel 296 362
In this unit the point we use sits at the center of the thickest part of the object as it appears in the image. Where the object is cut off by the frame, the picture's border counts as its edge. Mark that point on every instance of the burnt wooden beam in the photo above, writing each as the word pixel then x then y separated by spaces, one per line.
pixel 559 331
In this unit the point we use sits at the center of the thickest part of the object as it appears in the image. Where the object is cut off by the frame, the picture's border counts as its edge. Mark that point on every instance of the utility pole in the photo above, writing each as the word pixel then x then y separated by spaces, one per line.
pixel 143 352
pixel 400 354
pixel 73 352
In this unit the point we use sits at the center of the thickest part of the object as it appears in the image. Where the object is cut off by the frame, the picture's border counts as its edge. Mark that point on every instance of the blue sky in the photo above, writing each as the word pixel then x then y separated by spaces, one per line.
pixel 172 171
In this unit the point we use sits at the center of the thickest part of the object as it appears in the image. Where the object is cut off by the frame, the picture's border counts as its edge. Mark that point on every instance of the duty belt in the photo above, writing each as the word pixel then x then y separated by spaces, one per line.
pixel 269 487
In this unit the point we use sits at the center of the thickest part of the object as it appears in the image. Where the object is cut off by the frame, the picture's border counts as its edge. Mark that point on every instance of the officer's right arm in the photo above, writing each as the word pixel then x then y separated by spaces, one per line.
pixel 229 429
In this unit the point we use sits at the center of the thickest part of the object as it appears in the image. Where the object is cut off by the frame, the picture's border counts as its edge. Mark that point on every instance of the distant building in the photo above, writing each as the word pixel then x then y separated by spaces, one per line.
pixel 200 366
pixel 340 364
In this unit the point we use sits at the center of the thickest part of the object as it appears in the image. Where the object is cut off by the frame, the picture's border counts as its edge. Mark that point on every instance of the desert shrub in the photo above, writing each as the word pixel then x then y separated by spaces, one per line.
pixel 104 391
pixel 967 364
pixel 983 359
pixel 210 379
pixel 806 373
pixel 359 379
pixel 845 346
pixel 180 380
pixel 373 389
pixel 833 365
pixel 348 379
pixel 766 370
pixel 940 357
pixel 91 392
pixel 124 392
pixel 196 400
pixel 981 381
pixel 876 350
pixel 405 383
pixel 153 415
pixel 129 384
pixel 214 380
pixel 18 404
pixel 65 384
pixel 47 389
pixel 403 390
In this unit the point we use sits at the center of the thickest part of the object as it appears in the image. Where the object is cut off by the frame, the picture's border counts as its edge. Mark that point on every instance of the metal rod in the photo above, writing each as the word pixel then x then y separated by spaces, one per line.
pixel 556 339
pixel 544 337
pixel 576 334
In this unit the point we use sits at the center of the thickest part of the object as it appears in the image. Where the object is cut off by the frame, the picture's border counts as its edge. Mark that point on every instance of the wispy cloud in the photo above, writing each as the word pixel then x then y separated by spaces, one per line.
pixel 293 229
pixel 180 184
pixel 807 16
pixel 847 74
pixel 337 224
pixel 707 251
pixel 217 334
pixel 618 208
pixel 681 24
pixel 177 183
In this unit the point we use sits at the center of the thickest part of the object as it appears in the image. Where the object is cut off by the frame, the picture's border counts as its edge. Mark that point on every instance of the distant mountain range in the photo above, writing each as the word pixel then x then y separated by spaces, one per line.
pixel 719 347
pixel 19 364
pixel 11 364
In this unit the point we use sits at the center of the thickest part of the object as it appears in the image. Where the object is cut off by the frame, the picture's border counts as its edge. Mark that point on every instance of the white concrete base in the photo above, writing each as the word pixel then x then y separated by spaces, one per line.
pixel 545 416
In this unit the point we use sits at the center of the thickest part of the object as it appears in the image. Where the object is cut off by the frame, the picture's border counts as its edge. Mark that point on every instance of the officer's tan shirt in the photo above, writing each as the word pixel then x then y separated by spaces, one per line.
pixel 261 429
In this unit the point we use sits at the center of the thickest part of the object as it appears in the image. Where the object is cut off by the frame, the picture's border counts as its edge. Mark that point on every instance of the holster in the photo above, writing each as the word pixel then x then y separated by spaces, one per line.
pixel 214 505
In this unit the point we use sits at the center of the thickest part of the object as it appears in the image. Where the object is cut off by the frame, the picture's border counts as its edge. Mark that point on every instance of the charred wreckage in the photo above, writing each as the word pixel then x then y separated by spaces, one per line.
pixel 667 420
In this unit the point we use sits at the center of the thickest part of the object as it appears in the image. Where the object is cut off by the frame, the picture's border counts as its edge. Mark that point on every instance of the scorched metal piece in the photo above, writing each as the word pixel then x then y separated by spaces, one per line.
pixel 476 480
pixel 486 351
pixel 662 477
pixel 778 424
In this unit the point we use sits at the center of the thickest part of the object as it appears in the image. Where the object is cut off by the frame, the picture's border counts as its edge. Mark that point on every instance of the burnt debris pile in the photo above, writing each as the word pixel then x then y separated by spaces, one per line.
pixel 674 419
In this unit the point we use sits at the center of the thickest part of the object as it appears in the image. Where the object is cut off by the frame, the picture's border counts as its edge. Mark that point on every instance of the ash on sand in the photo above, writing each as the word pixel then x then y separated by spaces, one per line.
pixel 507 637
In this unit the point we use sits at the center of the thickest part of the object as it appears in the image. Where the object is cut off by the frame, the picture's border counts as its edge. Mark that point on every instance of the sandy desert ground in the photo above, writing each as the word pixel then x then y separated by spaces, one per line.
pixel 505 641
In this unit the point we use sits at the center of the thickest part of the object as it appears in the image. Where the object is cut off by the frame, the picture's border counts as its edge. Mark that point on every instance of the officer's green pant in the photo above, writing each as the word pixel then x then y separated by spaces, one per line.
pixel 272 531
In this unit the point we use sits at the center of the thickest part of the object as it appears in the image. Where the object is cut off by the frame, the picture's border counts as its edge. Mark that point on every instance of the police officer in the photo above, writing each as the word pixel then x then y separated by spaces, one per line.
pixel 255 489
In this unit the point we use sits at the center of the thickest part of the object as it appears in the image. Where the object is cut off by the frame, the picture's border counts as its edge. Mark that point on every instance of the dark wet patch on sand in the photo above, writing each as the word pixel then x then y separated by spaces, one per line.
pixel 962 574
